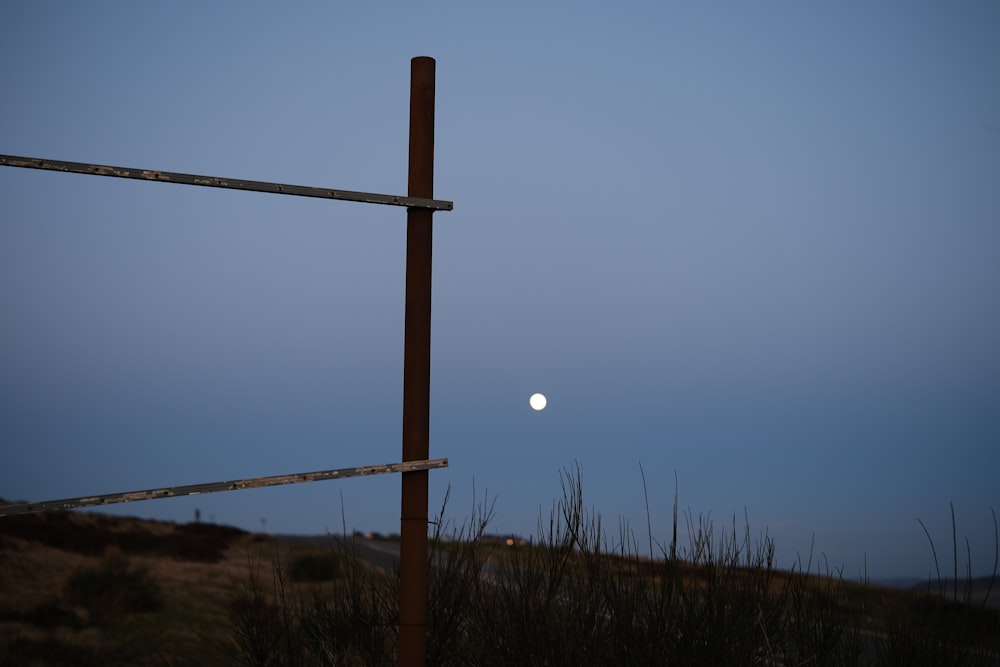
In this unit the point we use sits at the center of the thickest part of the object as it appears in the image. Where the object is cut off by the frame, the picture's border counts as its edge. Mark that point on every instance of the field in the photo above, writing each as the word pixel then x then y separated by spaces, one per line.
pixel 90 589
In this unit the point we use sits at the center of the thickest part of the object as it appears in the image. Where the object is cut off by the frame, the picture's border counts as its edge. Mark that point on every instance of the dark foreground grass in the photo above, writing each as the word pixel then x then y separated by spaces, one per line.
pixel 578 596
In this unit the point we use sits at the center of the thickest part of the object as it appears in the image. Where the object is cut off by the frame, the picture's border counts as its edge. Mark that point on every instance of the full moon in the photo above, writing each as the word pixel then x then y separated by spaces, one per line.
pixel 537 401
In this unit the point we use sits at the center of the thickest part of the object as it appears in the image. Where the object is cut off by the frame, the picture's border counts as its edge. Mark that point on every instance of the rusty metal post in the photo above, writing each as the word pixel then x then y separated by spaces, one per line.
pixel 417 371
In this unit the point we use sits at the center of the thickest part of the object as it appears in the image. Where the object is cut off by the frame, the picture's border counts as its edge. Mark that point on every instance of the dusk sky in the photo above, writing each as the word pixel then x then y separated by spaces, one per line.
pixel 755 245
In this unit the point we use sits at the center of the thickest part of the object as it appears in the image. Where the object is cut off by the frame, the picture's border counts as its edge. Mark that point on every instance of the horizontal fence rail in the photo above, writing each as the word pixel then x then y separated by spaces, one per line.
pixel 219 182
pixel 216 487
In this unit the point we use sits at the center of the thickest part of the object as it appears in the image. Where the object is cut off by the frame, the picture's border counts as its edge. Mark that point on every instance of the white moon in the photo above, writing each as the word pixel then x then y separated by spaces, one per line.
pixel 537 401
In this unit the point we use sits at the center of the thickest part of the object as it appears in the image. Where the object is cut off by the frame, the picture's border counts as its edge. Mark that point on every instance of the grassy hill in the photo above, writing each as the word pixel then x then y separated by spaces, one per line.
pixel 89 589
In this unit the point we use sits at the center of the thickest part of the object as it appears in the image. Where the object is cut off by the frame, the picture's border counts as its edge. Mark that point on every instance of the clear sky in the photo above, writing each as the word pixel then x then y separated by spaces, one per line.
pixel 753 244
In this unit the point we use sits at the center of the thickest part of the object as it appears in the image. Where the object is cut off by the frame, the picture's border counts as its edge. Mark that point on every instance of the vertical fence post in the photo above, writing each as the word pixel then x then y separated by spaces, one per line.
pixel 416 370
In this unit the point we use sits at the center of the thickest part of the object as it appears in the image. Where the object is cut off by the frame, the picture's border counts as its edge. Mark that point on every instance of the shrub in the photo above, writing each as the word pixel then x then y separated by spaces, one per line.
pixel 61 530
pixel 112 589
pixel 315 567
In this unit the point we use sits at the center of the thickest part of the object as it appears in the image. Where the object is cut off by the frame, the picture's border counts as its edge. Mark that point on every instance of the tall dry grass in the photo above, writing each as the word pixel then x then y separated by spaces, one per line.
pixel 579 595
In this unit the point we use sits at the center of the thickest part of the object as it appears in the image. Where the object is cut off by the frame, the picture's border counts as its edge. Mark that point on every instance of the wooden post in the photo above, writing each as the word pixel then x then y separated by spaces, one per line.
pixel 417 371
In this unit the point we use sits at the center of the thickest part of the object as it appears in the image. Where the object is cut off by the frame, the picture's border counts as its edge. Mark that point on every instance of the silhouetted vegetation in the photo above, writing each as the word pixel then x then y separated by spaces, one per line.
pixel 576 596
pixel 316 567
pixel 113 589
pixel 201 542
pixel 573 594
pixel 48 615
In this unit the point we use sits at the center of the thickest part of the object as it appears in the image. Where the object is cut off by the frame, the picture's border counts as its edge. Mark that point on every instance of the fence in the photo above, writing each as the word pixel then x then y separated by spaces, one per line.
pixel 420 205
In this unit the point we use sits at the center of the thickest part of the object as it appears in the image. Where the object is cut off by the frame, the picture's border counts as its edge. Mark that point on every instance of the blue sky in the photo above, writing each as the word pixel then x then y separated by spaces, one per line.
pixel 757 246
